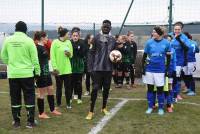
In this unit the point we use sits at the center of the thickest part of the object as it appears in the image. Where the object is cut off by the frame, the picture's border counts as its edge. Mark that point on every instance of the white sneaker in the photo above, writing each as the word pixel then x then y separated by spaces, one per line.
pixel 87 93
pixel 75 97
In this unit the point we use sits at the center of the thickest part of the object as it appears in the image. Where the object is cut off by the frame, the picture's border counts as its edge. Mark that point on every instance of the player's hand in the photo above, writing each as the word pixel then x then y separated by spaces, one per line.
pixel 55 72
pixel 67 53
pixel 178 38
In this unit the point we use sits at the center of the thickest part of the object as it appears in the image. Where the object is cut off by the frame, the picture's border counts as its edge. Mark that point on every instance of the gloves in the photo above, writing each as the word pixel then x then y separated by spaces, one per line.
pixel 178 38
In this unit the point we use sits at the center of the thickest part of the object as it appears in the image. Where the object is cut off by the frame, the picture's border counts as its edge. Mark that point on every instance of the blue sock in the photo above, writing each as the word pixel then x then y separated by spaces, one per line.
pixel 171 94
pixel 154 98
pixel 169 97
pixel 178 87
pixel 192 85
pixel 161 99
pixel 150 99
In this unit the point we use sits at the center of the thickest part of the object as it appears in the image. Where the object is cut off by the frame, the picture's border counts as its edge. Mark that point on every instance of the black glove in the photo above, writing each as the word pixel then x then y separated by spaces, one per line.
pixel 194 69
pixel 178 38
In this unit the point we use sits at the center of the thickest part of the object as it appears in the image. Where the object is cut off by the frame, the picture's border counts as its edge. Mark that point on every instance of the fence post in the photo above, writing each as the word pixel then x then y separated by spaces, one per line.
pixel 94 29
pixel 42 15
pixel 170 15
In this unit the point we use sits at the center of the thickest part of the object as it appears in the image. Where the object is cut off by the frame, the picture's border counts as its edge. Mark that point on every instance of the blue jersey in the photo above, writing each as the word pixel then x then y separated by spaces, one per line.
pixel 156 54
pixel 172 66
pixel 179 50
pixel 192 50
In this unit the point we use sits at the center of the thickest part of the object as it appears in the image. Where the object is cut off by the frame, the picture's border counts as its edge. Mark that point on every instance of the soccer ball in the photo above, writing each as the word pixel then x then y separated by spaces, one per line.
pixel 115 56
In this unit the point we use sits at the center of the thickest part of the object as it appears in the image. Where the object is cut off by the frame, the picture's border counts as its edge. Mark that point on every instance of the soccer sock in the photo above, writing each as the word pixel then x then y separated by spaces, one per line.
pixel 127 79
pixel 114 78
pixel 40 103
pixel 16 113
pixel 192 84
pixel 178 86
pixel 186 81
pixel 150 95
pixel 120 80
pixel 30 114
pixel 154 98
pixel 161 98
pixel 50 99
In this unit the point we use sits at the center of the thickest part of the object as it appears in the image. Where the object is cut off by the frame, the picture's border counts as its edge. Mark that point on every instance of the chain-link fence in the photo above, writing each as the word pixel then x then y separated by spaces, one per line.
pixel 144 14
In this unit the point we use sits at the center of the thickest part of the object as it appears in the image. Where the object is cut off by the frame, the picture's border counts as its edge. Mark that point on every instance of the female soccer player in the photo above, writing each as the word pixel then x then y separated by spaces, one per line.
pixel 77 62
pixel 61 52
pixel 89 43
pixel 154 67
pixel 44 81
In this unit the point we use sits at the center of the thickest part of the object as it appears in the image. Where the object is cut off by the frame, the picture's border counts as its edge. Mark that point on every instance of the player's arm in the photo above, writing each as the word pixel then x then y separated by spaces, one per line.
pixel 183 44
pixel 34 58
pixel 144 62
pixel 4 53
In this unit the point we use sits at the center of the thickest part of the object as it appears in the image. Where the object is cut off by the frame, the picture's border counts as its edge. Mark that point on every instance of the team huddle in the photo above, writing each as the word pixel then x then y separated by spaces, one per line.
pixel 31 63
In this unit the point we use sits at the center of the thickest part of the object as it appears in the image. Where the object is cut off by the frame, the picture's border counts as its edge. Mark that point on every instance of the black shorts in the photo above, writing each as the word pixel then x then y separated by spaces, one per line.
pixel 126 67
pixel 44 81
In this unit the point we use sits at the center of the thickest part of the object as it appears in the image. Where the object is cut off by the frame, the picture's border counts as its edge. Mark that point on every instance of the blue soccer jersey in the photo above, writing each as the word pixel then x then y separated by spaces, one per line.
pixel 156 54
pixel 179 50
pixel 172 66
pixel 192 50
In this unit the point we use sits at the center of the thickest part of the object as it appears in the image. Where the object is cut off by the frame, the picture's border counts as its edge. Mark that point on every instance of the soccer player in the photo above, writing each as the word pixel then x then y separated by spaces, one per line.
pixel 104 43
pixel 77 62
pixel 119 65
pixel 89 42
pixel 61 52
pixel 154 67
pixel 191 66
pixel 133 51
pixel 44 81
pixel 20 54
pixel 171 78
pixel 181 45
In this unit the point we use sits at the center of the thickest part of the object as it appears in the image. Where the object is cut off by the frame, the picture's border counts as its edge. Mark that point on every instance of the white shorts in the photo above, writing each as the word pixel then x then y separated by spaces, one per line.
pixel 188 70
pixel 157 79
pixel 178 71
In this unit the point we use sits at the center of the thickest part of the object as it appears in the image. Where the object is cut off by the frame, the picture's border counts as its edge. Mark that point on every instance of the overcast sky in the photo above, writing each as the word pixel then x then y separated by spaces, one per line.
pixel 77 11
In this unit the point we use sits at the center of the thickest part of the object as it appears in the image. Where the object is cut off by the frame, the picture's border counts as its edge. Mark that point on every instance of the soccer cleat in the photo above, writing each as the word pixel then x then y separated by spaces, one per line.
pixel 118 86
pixel 169 110
pixel 160 111
pixel 128 86
pixel 105 111
pixel 69 107
pixel 87 93
pixel 89 116
pixel 43 116
pixel 55 112
pixel 31 125
pixel 16 124
pixel 79 101
pixel 186 91
pixel 179 97
pixel 191 93
pixel 149 111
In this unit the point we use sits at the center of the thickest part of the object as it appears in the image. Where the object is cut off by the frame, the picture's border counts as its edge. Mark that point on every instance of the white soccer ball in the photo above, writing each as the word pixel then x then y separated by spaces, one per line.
pixel 115 56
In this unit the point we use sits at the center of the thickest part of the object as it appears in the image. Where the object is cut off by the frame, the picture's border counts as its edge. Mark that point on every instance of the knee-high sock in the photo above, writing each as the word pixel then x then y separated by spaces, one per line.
pixel 50 99
pixel 40 103
pixel 160 97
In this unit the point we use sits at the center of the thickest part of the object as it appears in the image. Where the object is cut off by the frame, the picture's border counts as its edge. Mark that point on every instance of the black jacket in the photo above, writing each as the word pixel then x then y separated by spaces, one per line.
pixel 103 45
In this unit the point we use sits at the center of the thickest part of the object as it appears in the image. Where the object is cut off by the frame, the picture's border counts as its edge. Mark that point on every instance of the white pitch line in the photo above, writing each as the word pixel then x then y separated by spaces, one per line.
pixel 105 119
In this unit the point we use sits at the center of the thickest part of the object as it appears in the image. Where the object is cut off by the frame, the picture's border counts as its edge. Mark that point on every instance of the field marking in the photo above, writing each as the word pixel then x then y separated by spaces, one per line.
pixel 131 99
pixel 105 119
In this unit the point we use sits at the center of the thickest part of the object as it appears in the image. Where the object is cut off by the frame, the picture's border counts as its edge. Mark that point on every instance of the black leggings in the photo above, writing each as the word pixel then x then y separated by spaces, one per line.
pixel 77 84
pixel 67 84
pixel 100 79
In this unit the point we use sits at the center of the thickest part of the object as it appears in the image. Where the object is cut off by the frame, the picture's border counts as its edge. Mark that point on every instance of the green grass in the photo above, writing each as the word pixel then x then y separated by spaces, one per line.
pixel 131 119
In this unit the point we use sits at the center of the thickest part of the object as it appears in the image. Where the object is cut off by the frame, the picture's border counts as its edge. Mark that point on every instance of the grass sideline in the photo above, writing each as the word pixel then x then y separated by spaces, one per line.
pixel 130 119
